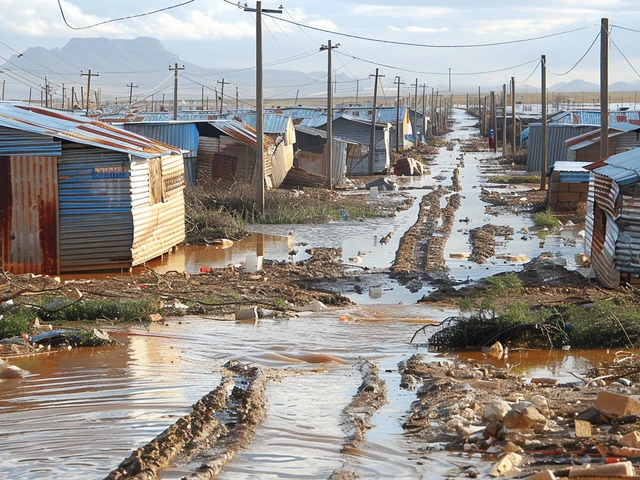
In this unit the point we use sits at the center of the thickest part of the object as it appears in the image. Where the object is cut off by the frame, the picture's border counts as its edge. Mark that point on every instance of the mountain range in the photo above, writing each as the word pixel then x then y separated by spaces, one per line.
pixel 145 63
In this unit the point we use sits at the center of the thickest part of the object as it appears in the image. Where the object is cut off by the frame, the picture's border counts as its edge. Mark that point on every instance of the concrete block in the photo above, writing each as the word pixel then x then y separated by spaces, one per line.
pixel 617 405
pixel 563 187
pixel 569 197
pixel 579 187
pixel 622 469
pixel 583 429
pixel 631 439
pixel 507 465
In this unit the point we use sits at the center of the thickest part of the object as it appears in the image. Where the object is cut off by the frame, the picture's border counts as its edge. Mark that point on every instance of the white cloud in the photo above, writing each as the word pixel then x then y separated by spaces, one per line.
pixel 402 11
pixel 416 29
pixel 324 24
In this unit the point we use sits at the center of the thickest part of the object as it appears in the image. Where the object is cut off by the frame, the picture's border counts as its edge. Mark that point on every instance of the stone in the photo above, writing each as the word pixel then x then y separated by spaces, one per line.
pixel 496 350
pixel 544 381
pixel 543 475
pixel 507 465
pixel 622 469
pixel 492 430
pixel 540 402
pixel 583 429
pixel 617 405
pixel 512 447
pixel 528 419
pixel 518 407
pixel 629 452
pixel 496 410
pixel 631 439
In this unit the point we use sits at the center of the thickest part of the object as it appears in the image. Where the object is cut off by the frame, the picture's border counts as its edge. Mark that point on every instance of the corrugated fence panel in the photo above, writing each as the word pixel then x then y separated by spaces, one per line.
pixel 17 142
pixel 157 227
pixel 182 135
pixel 606 193
pixel 588 227
pixel 557 134
pixel 29 228
pixel 96 227
pixel 628 245
pixel 281 163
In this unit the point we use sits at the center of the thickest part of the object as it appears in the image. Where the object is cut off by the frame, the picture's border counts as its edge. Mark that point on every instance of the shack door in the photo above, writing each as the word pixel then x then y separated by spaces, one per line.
pixel 29 214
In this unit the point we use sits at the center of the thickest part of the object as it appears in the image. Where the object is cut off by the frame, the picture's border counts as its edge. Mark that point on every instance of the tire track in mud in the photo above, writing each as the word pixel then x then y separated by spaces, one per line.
pixel 220 423
pixel 356 417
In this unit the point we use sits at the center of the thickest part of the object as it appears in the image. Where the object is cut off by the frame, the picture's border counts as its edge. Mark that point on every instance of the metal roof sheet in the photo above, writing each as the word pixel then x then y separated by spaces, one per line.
pixel 240 131
pixel 566 166
pixel 273 123
pixel 624 167
pixel 77 129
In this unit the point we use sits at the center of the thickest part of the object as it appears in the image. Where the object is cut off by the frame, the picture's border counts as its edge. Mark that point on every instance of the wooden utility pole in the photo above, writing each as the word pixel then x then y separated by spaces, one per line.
pixel 223 83
pixel 415 113
pixel 202 99
pixel 504 119
pixel 358 89
pixel 543 92
pixel 259 105
pixel 433 114
pixel 88 75
pixel 424 118
pixel 237 98
pixel 372 137
pixel 329 155
pixel 131 87
pixel 398 82
pixel 449 78
pixel 513 114
pixel 73 95
pixel 493 130
pixel 604 88
pixel 175 70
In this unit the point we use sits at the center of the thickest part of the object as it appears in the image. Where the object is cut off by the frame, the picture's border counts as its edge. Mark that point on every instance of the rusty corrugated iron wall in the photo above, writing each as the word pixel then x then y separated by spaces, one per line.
pixel 28 201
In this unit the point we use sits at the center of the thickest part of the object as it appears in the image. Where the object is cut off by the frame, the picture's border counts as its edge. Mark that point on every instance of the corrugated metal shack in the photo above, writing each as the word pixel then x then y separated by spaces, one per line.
pixel 387 116
pixel 557 135
pixel 612 229
pixel 358 130
pixel 586 147
pixel 81 195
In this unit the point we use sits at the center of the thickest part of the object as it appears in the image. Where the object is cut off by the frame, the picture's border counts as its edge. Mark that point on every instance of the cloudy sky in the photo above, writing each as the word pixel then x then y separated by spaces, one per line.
pixel 217 34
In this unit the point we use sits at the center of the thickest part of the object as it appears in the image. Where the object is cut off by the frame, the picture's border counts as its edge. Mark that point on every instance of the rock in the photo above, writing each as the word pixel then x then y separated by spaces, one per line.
pixel 507 465
pixel 628 452
pixel 496 410
pixel 496 350
pixel 540 402
pixel 544 381
pixel 631 439
pixel 583 429
pixel 617 405
pixel 543 475
pixel 528 419
pixel 622 469
pixel 155 317
pixel 512 447
pixel 492 430
pixel 518 407
pixel 11 371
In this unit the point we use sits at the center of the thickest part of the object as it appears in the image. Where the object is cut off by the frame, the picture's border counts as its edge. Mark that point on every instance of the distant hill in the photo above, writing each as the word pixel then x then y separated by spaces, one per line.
pixel 575 86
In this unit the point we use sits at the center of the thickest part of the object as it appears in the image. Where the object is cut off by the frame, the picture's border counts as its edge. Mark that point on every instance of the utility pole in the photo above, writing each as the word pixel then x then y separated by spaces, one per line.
pixel 63 92
pixel 175 70
pixel 202 99
pixel 131 87
pixel 236 98
pixel 415 113
pixel 449 78
pixel 223 83
pixel 424 118
pixel 604 88
pixel 543 160
pixel 432 115
pixel 398 82
pixel 259 104
pixel 73 95
pixel 329 155
pixel 492 122
pixel 504 119
pixel 513 114
pixel 88 75
pixel 372 138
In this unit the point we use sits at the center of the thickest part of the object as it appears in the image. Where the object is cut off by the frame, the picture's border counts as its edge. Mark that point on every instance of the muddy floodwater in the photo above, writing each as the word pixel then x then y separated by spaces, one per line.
pixel 79 413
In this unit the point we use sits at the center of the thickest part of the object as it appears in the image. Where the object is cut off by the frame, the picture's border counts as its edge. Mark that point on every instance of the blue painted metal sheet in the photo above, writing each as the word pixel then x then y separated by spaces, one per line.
pixel 96 225
pixel 17 142
pixel 181 135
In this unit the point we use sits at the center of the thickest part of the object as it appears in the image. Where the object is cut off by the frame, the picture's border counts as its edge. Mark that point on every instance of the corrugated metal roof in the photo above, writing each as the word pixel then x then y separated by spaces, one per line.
pixel 241 132
pixel 565 166
pixel 383 114
pixel 589 138
pixel 77 129
pixel 623 168
pixel 182 135
pixel 311 131
pixel 557 150
pixel 592 117
pixel 273 123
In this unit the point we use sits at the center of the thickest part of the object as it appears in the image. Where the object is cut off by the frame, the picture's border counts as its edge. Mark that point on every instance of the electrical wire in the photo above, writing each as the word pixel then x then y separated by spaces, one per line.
pixel 438 73
pixel 119 18
pixel 624 56
pixel 624 28
pixel 531 74
pixel 578 62
pixel 410 44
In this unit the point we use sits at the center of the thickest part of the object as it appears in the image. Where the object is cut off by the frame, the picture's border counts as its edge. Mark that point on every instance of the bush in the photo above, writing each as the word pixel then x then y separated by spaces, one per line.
pixel 17 321
pixel 545 220
pixel 515 179
pixel 130 310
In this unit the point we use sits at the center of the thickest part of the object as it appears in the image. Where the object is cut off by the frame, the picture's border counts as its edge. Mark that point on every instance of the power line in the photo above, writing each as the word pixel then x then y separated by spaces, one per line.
pixel 424 45
pixel 530 75
pixel 578 62
pixel 624 56
pixel 436 73
pixel 119 18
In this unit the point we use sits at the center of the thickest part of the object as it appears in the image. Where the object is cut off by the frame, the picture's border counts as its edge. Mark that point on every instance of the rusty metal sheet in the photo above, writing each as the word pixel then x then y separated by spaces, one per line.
pixel 29 219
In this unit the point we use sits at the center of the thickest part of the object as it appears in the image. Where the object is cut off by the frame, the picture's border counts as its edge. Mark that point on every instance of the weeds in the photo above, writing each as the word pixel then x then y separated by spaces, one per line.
pixel 545 220
pixel 515 179
pixel 16 321
pixel 130 310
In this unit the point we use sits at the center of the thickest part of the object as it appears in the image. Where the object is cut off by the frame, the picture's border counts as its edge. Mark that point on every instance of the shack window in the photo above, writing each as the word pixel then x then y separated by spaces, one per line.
pixel 157 192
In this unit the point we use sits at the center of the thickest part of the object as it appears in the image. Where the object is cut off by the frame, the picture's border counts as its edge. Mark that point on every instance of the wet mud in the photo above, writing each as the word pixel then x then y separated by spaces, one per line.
pixel 483 241
pixel 220 423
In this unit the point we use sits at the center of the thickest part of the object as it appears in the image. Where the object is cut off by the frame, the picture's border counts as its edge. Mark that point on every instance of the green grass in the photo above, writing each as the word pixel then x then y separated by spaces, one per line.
pixel 545 220
pixel 515 179
pixel 129 310
pixel 16 322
